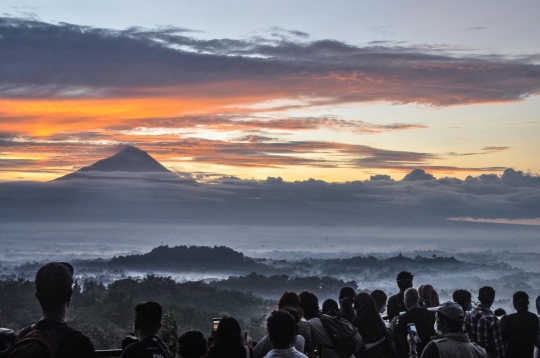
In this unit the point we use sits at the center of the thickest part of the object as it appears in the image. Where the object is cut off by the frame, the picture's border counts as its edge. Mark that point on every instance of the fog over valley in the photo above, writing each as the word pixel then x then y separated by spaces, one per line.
pixel 127 220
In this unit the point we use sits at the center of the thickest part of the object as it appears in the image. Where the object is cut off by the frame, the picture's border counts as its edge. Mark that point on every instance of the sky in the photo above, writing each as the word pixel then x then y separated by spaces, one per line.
pixel 336 91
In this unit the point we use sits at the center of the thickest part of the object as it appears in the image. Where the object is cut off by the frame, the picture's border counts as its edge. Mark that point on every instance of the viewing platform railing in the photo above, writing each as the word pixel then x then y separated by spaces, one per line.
pixel 109 353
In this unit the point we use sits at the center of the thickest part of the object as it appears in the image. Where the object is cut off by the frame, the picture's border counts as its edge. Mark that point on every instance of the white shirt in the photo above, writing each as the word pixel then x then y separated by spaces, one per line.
pixel 285 353
pixel 264 346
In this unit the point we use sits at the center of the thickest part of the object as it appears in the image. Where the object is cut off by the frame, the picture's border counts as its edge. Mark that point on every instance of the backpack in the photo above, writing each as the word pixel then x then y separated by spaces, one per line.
pixel 161 346
pixel 344 336
pixel 35 343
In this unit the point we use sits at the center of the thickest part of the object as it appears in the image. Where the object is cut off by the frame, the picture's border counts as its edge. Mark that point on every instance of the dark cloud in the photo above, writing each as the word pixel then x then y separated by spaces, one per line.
pixel 418 174
pixel 476 28
pixel 495 149
pixel 40 59
pixel 380 177
pixel 513 195
pixel 256 149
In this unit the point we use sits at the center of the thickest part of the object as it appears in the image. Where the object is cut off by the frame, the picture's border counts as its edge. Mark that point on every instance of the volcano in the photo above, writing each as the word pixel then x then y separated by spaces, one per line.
pixel 130 160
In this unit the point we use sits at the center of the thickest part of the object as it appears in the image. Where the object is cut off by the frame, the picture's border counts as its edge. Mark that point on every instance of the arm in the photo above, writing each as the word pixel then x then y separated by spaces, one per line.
pixel 537 339
pixel 430 351
pixel 374 344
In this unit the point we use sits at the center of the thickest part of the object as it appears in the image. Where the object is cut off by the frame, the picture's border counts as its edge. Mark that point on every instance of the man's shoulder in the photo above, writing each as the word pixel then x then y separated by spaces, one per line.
pixel 315 321
pixel 431 350
pixel 285 353
pixel 416 312
pixel 75 342
pixel 136 349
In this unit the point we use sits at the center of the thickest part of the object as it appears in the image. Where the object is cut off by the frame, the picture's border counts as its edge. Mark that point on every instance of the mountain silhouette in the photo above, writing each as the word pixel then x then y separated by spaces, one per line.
pixel 129 160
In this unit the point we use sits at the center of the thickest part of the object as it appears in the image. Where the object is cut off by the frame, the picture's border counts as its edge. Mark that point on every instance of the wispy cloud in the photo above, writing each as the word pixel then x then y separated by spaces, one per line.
pixel 533 222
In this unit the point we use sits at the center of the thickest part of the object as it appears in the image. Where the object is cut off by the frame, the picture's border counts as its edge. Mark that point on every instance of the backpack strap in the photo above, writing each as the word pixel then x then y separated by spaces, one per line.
pixel 158 343
pixel 48 340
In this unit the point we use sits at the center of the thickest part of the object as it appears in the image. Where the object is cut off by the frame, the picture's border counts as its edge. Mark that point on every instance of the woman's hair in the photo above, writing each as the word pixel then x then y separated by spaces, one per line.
pixel 228 332
pixel 289 299
pixel 330 306
pixel 192 344
pixel 309 302
pixel 367 320
pixel 429 296
pixel 379 296
pixel 346 296
pixel 293 312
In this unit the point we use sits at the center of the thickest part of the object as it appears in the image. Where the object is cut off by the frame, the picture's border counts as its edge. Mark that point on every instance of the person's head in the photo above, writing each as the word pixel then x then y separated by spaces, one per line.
pixel 520 300
pixel 228 332
pixel 346 297
pixel 289 299
pixel 54 286
pixel 499 312
pixel 463 298
pixel 380 300
pixel 449 318
pixel 148 318
pixel 447 325
pixel 486 295
pixel 404 280
pixel 411 298
pixel 362 299
pixel 366 313
pixel 294 312
pixel 192 344
pixel 330 307
pixel 429 296
pixel 309 302
pixel 538 304
pixel 281 327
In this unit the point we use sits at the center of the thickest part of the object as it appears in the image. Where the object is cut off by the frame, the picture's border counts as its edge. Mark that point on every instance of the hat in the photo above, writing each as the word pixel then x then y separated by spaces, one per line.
pixel 451 310
pixel 404 275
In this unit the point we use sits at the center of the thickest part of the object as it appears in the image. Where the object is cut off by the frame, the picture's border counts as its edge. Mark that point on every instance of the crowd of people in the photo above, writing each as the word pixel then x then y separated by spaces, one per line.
pixel 412 323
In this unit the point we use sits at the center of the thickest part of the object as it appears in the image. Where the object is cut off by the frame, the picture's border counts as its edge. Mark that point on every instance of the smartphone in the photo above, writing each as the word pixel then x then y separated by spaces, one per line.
pixel 215 323
pixel 413 332
pixel 247 337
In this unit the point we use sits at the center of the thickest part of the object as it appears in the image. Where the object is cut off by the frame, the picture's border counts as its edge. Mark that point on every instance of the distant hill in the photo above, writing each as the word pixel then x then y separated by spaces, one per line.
pixel 190 258
pixel 130 160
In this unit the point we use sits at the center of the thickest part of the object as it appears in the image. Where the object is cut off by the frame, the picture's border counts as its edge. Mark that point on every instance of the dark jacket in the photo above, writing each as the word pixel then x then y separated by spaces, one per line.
pixel 424 321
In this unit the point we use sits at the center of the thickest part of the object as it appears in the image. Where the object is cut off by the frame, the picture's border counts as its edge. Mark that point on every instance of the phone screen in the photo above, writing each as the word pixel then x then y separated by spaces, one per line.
pixel 414 332
pixel 215 323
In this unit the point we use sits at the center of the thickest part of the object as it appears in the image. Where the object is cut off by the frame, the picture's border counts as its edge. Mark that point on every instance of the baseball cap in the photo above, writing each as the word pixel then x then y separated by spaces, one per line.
pixel 450 309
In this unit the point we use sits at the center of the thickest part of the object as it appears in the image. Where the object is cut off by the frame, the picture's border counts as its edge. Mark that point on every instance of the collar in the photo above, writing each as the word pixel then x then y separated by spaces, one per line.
pixel 52 320
pixel 460 337
pixel 483 307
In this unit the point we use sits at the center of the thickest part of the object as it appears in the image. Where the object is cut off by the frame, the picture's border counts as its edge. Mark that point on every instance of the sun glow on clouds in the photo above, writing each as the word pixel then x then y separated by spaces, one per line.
pixel 244 107
pixel 532 222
